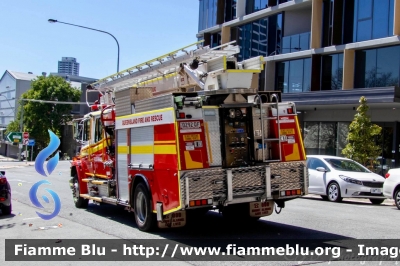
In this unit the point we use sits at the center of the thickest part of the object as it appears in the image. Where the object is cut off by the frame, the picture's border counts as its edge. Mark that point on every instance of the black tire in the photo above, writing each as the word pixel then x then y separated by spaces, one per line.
pixel 6 210
pixel 145 218
pixel 80 202
pixel 376 201
pixel 397 198
pixel 324 197
pixel 333 192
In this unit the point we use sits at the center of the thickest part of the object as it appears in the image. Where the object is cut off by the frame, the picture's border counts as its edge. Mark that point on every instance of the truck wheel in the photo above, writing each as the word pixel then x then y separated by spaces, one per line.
pixel 144 217
pixel 80 202
pixel 333 192
pixel 397 198
pixel 6 210
pixel 376 201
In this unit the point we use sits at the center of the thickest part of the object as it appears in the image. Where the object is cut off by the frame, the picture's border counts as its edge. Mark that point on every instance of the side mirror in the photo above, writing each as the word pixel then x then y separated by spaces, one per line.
pixel 321 169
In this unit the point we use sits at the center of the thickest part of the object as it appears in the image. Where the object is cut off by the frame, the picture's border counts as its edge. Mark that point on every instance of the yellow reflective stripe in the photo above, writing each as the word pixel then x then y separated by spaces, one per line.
pixel 224 62
pixel 262 62
pixel 179 156
pixel 243 71
pixel 145 149
pixel 165 142
pixel 122 149
pixel 165 149
pixel 154 80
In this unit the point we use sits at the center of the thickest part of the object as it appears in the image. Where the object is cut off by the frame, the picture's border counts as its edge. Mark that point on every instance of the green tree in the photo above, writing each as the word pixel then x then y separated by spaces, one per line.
pixel 38 117
pixel 361 145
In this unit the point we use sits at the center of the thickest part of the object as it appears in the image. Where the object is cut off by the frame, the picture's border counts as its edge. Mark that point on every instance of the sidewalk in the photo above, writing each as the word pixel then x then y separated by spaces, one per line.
pixel 7 159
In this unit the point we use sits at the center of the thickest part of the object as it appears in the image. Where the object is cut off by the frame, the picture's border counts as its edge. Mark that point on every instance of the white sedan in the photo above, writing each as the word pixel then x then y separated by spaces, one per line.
pixel 391 187
pixel 335 178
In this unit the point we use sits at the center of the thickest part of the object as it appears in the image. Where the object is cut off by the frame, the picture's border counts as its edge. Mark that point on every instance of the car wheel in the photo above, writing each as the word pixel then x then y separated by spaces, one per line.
pixel 6 210
pixel 333 192
pixel 324 197
pixel 144 217
pixel 397 198
pixel 80 202
pixel 376 201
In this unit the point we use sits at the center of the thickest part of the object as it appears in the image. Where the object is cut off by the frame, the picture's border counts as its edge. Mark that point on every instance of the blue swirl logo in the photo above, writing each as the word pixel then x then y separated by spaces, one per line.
pixel 45 153
pixel 51 165
pixel 35 200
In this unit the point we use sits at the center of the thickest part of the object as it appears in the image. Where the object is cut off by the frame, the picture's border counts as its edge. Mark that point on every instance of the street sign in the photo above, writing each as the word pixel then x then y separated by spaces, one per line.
pixel 26 135
pixel 25 141
pixel 14 136
pixel 31 142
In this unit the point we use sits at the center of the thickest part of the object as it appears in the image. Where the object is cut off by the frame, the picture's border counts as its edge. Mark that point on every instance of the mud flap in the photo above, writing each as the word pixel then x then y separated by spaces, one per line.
pixel 173 220
pixel 259 209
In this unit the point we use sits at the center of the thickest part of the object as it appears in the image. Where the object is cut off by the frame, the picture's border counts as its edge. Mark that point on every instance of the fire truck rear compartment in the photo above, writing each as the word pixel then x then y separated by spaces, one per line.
pixel 245 184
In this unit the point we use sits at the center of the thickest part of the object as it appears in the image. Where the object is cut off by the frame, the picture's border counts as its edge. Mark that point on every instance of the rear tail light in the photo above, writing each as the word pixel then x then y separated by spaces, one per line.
pixel 3 180
pixel 2 199
pixel 387 175
pixel 201 202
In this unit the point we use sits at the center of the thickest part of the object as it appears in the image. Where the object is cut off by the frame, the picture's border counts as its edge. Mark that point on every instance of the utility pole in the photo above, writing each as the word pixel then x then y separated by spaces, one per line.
pixel 21 128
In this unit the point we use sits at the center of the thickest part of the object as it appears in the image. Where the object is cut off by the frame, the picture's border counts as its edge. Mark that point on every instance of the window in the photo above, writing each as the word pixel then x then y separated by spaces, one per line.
pixel 328 138
pixel 252 39
pixel 230 10
pixel 98 131
pixel 207 14
pixel 294 76
pixel 331 72
pixel 377 67
pixel 314 163
pixel 296 42
pixel 86 130
pixel 373 19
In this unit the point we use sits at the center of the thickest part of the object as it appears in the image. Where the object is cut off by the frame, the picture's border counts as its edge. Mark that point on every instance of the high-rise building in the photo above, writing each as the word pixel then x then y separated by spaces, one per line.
pixel 68 65
pixel 323 55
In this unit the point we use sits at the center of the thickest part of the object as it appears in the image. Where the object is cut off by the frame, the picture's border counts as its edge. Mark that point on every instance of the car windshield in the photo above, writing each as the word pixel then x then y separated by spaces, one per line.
pixel 346 165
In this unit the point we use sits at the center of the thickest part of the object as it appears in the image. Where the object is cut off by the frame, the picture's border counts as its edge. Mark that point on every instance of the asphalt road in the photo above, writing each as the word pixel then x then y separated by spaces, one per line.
pixel 305 218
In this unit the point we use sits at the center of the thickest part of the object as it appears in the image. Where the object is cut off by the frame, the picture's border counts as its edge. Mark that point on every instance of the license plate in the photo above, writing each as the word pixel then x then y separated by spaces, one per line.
pixel 376 191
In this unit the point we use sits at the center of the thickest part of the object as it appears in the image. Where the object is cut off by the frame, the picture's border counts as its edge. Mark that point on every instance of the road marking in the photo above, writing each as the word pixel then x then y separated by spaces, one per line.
pixel 31 218
pixel 19 180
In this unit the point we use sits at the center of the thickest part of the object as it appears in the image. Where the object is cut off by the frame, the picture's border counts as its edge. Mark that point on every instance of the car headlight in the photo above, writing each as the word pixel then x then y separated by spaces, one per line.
pixel 350 180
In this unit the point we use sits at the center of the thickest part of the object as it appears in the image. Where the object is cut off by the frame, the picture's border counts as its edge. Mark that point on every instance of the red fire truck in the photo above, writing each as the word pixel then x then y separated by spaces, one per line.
pixel 188 132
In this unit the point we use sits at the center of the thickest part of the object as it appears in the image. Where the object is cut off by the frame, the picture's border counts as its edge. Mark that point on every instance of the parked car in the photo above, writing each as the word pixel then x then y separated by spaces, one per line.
pixel 5 194
pixel 335 178
pixel 391 187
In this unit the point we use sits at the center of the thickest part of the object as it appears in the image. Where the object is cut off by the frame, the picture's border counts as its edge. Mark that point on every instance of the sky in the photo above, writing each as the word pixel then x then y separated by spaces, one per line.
pixel 145 29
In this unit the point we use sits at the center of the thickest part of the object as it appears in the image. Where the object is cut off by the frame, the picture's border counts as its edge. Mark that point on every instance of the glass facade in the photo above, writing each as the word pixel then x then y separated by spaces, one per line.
pixel 230 10
pixel 294 76
pixel 331 72
pixel 377 67
pixel 255 5
pixel 295 43
pixel 373 19
pixel 207 14
pixel 260 37
pixel 327 138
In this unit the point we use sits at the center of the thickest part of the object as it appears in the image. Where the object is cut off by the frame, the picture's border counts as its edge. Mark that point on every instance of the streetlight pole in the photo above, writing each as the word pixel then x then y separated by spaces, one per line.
pixel 56 21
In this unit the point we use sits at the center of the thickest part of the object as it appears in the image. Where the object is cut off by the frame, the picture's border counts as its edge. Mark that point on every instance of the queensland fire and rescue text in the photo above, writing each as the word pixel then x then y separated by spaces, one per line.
pixel 140 120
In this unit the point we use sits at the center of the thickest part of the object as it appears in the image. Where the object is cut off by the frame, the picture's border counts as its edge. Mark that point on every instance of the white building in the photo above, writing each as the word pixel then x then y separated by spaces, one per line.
pixel 12 86
pixel 68 65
